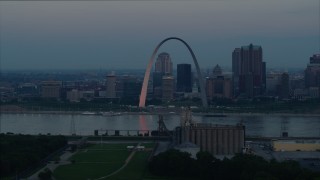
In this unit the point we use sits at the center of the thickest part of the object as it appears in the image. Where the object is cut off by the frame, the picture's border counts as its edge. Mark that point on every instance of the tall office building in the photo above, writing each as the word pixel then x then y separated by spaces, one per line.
pixel 128 87
pixel 219 87
pixel 73 95
pixel 164 64
pixel 248 71
pixel 217 71
pixel 264 77
pixel 312 72
pixel 111 86
pixel 273 82
pixel 27 90
pixel 167 88
pixel 184 79
pixel 157 84
pixel 315 59
pixel 51 89
pixel 236 70
pixel 312 77
pixel 278 85
pixel 284 86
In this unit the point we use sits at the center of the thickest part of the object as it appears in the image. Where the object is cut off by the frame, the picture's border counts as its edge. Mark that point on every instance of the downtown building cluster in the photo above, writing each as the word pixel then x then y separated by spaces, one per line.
pixel 248 79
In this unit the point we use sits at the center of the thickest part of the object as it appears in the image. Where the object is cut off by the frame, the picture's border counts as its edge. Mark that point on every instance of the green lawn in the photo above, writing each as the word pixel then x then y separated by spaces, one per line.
pixel 85 170
pixel 119 155
pixel 137 166
pixel 148 145
pixel 102 159
pixel 111 146
pixel 94 161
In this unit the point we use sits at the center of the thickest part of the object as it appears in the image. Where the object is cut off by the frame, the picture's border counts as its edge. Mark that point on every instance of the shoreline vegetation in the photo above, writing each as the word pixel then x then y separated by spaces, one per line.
pixel 5 109
pixel 224 108
pixel 153 113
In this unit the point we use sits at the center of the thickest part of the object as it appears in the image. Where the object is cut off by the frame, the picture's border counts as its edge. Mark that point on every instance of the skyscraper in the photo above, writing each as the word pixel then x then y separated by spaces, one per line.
pixel 264 77
pixel 157 84
pixel 218 86
pixel 312 72
pixel 51 89
pixel 284 86
pixel 217 71
pixel 111 86
pixel 236 69
pixel 128 87
pixel 167 88
pixel 184 79
pixel 164 64
pixel 248 71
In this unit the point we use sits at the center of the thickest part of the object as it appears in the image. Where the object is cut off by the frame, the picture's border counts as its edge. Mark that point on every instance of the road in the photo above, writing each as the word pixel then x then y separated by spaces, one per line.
pixel 64 159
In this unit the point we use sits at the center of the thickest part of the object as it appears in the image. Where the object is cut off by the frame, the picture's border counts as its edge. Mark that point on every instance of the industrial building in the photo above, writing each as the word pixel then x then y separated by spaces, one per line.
pixel 296 145
pixel 216 139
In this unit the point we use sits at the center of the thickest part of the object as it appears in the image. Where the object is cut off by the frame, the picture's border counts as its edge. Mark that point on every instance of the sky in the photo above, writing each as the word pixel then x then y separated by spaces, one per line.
pixel 123 34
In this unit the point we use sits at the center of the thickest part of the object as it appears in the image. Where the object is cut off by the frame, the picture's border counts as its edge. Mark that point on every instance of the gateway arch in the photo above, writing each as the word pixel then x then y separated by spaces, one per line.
pixel 143 94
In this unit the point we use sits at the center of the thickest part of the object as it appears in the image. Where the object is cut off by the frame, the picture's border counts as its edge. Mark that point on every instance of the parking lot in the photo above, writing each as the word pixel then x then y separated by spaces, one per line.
pixel 307 159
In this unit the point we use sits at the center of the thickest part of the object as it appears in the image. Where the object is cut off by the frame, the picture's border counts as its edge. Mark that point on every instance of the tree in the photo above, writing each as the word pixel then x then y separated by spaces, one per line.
pixel 205 163
pixel 45 174
pixel 173 163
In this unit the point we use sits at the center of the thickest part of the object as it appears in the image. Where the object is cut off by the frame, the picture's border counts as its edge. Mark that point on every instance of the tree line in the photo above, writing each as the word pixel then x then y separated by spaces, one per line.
pixel 176 164
pixel 21 152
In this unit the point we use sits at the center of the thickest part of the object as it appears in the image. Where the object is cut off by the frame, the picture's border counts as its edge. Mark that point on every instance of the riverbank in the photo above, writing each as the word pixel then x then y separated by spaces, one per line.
pixel 85 113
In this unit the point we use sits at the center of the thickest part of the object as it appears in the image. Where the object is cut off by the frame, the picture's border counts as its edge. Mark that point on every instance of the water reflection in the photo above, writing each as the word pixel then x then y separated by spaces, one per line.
pixel 143 125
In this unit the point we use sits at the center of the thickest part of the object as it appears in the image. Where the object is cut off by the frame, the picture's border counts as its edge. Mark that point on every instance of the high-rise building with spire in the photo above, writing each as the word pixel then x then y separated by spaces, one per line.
pixel 217 71
pixel 164 64
pixel 163 67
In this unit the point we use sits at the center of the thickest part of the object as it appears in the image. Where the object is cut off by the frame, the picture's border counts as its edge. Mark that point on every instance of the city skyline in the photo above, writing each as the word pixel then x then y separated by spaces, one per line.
pixel 112 35
pixel 159 89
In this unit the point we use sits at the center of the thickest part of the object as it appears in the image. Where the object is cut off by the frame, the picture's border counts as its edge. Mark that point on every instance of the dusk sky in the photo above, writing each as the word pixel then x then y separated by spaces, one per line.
pixel 123 34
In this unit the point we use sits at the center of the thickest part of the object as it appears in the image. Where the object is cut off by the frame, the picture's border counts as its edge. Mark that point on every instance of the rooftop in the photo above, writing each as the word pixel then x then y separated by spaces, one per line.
pixel 255 47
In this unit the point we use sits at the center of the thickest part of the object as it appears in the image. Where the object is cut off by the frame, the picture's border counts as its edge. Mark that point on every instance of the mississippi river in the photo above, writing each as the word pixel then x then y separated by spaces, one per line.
pixel 256 125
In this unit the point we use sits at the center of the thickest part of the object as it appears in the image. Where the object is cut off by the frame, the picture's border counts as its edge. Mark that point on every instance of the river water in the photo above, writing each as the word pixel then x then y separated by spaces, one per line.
pixel 256 125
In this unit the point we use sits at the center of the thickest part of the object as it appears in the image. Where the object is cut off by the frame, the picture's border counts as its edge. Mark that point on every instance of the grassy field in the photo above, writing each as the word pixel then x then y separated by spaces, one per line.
pixel 85 171
pixel 100 160
pixel 136 167
pixel 93 162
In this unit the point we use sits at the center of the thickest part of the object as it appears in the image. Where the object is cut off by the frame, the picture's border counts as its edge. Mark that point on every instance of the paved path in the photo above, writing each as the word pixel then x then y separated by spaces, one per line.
pixel 64 160
pixel 122 167
pixel 162 147
pixel 52 165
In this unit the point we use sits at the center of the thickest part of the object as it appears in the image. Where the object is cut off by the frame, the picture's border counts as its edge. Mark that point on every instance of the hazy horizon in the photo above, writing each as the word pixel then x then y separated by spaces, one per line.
pixel 123 34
